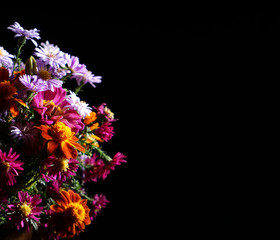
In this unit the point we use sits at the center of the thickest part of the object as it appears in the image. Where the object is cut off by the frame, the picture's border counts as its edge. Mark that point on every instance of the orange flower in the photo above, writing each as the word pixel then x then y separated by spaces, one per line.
pixel 7 99
pixel 71 214
pixel 61 140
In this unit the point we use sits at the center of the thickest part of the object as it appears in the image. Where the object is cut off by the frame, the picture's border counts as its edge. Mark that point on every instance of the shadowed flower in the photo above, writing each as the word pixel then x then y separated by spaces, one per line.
pixel 25 210
pixel 9 167
pixel 99 202
pixel 61 140
pixel 70 214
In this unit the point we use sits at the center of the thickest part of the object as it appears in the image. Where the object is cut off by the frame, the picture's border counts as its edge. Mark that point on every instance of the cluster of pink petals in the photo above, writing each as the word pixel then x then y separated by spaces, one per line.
pixel 101 169
pixel 33 202
pixel 105 131
pixel 52 106
pixel 53 171
pixel 9 167
pixel 99 202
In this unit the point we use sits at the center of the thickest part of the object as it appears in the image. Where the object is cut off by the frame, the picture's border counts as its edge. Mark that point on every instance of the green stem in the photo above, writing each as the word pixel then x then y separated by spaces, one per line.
pixel 78 89
pixel 103 154
pixel 21 43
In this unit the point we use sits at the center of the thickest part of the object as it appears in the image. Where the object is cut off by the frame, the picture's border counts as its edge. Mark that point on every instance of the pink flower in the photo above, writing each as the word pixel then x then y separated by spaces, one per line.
pixel 25 210
pixel 118 159
pixel 99 202
pixel 100 169
pixel 94 166
pixel 52 106
pixel 105 112
pixel 105 131
pixel 9 167
pixel 60 168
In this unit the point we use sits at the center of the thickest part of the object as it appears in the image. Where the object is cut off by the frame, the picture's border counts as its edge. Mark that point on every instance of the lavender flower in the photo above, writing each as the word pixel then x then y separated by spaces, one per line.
pixel 50 54
pixel 5 58
pixel 33 83
pixel 28 34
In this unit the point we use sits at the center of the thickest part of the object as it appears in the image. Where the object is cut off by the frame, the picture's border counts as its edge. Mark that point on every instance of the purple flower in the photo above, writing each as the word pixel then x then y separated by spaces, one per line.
pixel 33 83
pixel 50 54
pixel 87 77
pixel 99 202
pixel 105 131
pixel 25 210
pixel 28 34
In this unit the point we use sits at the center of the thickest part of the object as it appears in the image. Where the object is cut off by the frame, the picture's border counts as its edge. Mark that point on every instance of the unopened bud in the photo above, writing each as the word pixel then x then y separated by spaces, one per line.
pixel 31 66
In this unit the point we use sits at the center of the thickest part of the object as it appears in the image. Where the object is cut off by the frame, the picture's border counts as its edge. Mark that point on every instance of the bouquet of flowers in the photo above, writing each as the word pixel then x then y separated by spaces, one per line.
pixel 50 140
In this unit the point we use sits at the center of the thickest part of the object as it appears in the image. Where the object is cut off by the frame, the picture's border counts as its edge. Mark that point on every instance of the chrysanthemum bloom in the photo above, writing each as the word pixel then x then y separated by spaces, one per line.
pixel 5 58
pixel 105 112
pixel 27 208
pixel 105 131
pixel 9 167
pixel 94 168
pixel 61 168
pixel 7 96
pixel 52 106
pixel 50 54
pixel 70 215
pixel 28 34
pixel 61 140
pixel 118 159
pixel 99 202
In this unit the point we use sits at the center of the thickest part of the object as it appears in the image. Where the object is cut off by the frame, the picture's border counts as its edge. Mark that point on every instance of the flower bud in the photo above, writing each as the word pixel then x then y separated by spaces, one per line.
pixel 31 66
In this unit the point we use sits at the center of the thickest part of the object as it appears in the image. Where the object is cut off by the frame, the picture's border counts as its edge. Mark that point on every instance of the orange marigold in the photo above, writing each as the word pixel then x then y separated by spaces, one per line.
pixel 61 140
pixel 70 214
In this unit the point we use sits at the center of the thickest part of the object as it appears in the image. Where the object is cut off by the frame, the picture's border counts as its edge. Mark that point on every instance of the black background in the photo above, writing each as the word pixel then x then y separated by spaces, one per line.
pixel 186 94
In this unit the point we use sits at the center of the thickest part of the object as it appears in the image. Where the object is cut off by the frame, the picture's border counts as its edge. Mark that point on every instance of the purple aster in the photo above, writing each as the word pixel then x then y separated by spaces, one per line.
pixel 74 65
pixel 50 54
pixel 33 83
pixel 87 77
pixel 28 34
pixel 46 73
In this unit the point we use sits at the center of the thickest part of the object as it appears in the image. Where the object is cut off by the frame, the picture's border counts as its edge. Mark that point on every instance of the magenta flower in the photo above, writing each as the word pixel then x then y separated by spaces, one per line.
pixel 52 106
pixel 60 168
pixel 9 167
pixel 100 169
pixel 118 159
pixel 105 131
pixel 26 209
pixel 105 112
pixel 99 202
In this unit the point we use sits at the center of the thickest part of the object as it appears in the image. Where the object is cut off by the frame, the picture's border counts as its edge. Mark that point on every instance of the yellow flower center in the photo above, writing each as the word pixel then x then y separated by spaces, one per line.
pixel 4 167
pixel 62 131
pixel 75 213
pixel 62 164
pixel 1 53
pixel 24 209
pixel 7 91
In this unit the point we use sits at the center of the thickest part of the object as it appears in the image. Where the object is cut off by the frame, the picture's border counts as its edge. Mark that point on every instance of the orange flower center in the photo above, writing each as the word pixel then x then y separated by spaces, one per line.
pixel 7 91
pixel 52 108
pixel 24 209
pixel 62 131
pixel 44 74
pixel 75 213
